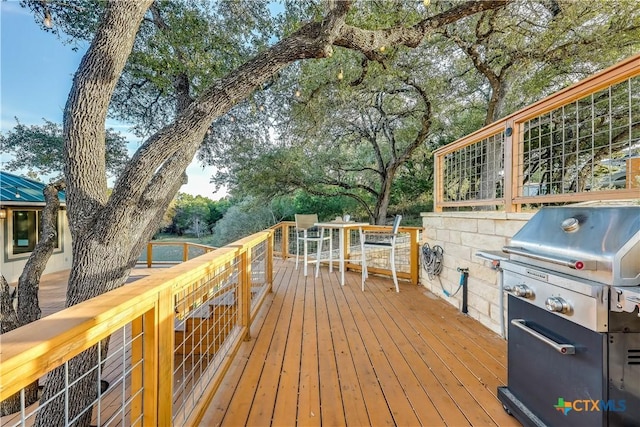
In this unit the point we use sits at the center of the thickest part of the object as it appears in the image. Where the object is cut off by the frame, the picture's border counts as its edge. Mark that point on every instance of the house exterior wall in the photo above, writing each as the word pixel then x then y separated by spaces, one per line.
pixel 462 235
pixel 11 266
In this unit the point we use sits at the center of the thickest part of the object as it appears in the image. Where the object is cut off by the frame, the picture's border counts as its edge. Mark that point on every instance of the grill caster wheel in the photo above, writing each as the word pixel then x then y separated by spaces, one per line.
pixel 507 410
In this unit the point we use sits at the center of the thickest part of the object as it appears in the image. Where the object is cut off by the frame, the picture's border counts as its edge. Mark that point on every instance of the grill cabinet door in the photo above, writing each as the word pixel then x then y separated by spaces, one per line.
pixel 542 378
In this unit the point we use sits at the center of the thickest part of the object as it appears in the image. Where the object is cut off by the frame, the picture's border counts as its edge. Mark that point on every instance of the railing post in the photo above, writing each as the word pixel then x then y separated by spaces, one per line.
pixel 149 254
pixel 269 261
pixel 347 244
pixel 285 241
pixel 414 255
pixel 513 174
pixel 244 294
pixel 185 252
pixel 438 184
pixel 165 353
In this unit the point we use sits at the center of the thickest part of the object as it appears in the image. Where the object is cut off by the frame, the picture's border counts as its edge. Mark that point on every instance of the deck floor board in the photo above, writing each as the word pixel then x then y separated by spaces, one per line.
pixel 334 355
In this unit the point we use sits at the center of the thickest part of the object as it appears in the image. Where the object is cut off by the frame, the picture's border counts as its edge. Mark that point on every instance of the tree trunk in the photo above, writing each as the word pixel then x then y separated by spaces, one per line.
pixel 28 308
pixel 8 322
pixel 384 196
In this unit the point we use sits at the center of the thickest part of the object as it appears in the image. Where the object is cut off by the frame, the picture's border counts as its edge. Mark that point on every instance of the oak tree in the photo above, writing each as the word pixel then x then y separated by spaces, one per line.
pixel 110 231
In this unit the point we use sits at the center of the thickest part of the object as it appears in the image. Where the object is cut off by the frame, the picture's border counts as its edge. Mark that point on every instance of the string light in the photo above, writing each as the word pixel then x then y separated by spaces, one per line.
pixel 426 3
pixel 47 21
pixel 298 94
pixel 340 75
pixel 382 48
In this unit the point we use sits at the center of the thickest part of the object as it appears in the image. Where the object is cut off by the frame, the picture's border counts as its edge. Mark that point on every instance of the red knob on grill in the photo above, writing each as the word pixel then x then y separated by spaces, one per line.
pixel 579 265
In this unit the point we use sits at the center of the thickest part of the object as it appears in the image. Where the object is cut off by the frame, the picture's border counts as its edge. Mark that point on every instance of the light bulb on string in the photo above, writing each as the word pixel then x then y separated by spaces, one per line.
pixel 47 21
pixel 426 3
pixel 298 94
pixel 340 75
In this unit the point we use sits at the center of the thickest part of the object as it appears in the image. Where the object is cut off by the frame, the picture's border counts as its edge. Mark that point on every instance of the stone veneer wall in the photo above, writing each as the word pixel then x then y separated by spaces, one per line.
pixel 462 235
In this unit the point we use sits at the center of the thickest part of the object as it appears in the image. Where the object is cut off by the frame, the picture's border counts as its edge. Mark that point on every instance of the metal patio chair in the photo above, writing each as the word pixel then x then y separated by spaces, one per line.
pixel 380 240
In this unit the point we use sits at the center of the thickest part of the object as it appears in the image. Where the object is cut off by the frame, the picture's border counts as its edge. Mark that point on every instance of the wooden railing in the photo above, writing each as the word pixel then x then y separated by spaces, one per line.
pixel 187 250
pixel 581 143
pixel 173 336
pixel 407 257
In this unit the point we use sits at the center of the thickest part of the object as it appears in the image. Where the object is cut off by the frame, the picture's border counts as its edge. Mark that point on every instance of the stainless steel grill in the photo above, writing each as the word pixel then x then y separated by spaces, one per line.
pixel 573 279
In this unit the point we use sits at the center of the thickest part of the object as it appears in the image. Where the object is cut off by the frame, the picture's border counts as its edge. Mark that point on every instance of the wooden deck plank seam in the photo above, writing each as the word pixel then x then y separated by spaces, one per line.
pixel 488 392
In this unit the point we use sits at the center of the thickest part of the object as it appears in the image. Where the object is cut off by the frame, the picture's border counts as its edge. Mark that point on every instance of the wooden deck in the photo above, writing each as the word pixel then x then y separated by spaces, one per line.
pixel 323 354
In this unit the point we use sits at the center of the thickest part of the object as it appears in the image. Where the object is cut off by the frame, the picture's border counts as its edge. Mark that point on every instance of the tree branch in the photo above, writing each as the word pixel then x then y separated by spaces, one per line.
pixel 372 40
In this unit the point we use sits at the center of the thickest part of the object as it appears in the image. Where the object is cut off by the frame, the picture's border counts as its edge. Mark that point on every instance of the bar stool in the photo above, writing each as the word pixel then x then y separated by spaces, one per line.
pixel 380 240
pixel 306 232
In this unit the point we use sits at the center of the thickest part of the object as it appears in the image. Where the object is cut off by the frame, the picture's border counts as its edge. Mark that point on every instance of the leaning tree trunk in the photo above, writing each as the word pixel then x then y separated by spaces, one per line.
pixel 28 308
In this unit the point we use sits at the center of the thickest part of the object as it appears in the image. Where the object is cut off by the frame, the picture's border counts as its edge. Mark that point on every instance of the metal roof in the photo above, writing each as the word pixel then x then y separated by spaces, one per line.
pixel 16 189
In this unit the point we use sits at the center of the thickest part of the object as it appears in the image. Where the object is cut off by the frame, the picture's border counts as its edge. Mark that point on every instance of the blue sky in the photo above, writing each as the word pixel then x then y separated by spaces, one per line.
pixel 36 71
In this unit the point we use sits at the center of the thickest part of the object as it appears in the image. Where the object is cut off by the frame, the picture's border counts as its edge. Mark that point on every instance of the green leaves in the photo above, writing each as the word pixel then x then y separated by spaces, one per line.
pixel 39 149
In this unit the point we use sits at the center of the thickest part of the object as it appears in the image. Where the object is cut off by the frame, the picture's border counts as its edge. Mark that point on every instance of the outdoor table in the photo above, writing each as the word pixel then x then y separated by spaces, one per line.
pixel 342 227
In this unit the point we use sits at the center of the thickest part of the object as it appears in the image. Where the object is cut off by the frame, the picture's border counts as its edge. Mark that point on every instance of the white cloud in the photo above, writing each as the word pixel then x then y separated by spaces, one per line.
pixel 199 184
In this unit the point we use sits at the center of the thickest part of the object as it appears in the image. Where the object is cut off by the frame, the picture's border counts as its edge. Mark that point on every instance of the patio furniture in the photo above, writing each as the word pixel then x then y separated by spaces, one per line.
pixel 343 228
pixel 380 240
pixel 307 231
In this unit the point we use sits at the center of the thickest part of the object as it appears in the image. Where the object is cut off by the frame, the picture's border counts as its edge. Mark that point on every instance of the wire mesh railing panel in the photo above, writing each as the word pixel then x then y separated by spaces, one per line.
pixel 259 279
pixel 277 239
pixel 475 172
pixel 93 388
pixel 205 323
pixel 293 240
pixel 380 258
pixel 591 144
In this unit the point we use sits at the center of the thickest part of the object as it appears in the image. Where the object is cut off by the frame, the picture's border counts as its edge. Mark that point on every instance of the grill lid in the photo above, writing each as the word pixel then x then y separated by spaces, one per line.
pixel 600 243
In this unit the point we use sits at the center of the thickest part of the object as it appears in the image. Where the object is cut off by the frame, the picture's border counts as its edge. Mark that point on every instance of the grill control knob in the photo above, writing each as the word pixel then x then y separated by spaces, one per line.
pixel 523 291
pixel 557 305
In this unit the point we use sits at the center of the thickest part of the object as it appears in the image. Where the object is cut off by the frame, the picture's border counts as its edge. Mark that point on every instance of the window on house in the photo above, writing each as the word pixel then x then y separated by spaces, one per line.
pixel 27 229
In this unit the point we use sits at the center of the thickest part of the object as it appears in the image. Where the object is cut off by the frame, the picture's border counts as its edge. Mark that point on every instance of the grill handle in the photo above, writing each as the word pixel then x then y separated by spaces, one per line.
pixel 571 263
pixel 560 348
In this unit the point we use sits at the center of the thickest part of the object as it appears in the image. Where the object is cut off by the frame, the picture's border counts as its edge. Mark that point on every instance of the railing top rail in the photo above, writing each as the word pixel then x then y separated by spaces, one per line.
pixel 401 229
pixel 482 133
pixel 179 243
